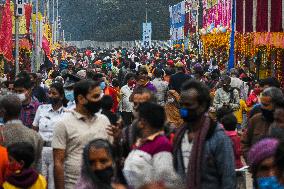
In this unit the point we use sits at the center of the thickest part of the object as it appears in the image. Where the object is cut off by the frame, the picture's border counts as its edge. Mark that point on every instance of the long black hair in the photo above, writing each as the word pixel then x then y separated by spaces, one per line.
pixel 86 169
pixel 59 88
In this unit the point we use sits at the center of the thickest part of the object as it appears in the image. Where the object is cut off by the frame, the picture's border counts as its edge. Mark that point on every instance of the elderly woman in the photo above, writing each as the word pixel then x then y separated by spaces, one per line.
pixel 172 109
pixel 98 167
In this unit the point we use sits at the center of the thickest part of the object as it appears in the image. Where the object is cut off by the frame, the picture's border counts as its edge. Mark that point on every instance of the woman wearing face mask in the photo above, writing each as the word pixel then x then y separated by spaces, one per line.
pixel 172 109
pixel 69 94
pixel 254 96
pixel 98 166
pixel 261 159
pixel 46 116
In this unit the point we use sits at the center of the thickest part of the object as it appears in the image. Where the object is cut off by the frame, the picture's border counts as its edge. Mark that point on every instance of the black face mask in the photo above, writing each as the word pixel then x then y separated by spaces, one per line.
pixel 93 107
pixel 268 115
pixel 188 115
pixel 226 87
pixel 105 175
pixel 53 101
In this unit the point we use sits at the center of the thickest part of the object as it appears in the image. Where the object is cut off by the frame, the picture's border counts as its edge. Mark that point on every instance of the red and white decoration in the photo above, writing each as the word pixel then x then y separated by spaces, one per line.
pixel 260 15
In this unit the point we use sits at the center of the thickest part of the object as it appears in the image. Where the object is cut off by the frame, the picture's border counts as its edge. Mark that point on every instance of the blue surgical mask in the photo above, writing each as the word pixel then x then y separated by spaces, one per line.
pixel 69 95
pixel 188 115
pixel 183 112
pixel 269 183
pixel 1 120
pixel 102 85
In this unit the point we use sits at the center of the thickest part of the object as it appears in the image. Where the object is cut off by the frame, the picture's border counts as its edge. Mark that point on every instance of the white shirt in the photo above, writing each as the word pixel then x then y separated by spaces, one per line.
pixel 125 105
pixel 71 105
pixel 45 119
pixel 186 148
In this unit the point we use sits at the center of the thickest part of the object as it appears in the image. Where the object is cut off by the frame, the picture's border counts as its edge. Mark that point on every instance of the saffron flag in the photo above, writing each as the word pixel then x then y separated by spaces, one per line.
pixel 6 43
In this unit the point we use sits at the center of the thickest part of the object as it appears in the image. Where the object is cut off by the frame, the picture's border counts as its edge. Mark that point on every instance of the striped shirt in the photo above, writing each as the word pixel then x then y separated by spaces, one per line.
pixel 28 113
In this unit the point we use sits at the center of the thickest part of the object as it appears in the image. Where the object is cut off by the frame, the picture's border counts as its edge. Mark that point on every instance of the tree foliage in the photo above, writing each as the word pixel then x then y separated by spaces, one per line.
pixel 114 20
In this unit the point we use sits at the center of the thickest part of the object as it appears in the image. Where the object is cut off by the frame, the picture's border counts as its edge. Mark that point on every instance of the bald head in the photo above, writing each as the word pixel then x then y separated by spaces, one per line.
pixel 11 106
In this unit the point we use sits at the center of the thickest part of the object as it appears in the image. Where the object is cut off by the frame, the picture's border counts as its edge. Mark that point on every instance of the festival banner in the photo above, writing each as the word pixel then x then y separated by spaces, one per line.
pixel 177 14
pixel 147 35
pixel 6 43
pixel 177 21
pixel 191 14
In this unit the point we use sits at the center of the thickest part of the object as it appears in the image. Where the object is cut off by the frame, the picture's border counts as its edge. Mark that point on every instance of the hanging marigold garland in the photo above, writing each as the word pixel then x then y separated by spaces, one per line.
pixel 271 46
pixel 215 42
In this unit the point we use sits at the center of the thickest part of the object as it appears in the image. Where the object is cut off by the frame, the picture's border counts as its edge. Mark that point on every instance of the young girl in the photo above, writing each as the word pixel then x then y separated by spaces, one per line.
pixel 21 175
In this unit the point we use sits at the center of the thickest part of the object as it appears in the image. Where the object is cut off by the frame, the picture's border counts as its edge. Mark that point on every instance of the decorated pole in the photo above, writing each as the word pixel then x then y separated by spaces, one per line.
pixel 232 41
pixel 17 44
pixel 19 12
pixel 34 67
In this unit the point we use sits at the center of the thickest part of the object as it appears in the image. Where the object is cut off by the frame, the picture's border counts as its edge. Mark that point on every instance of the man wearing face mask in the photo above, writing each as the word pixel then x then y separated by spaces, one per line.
pixel 260 124
pixel 125 106
pixel 75 130
pixel 203 154
pixel 23 89
pixel 226 96
pixel 14 131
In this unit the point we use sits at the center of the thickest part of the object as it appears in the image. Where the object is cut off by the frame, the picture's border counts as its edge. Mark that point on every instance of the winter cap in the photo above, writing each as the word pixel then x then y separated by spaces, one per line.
pixel 261 150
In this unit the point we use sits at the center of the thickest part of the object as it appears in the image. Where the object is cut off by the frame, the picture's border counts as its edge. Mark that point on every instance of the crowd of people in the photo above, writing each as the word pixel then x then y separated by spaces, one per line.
pixel 142 119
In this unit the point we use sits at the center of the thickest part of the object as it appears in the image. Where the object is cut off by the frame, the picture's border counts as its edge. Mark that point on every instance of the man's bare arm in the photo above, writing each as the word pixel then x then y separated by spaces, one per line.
pixel 59 155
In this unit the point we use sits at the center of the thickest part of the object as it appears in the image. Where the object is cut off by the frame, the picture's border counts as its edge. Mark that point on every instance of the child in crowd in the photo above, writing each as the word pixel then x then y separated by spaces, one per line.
pixel 230 122
pixel 21 175
pixel 241 115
